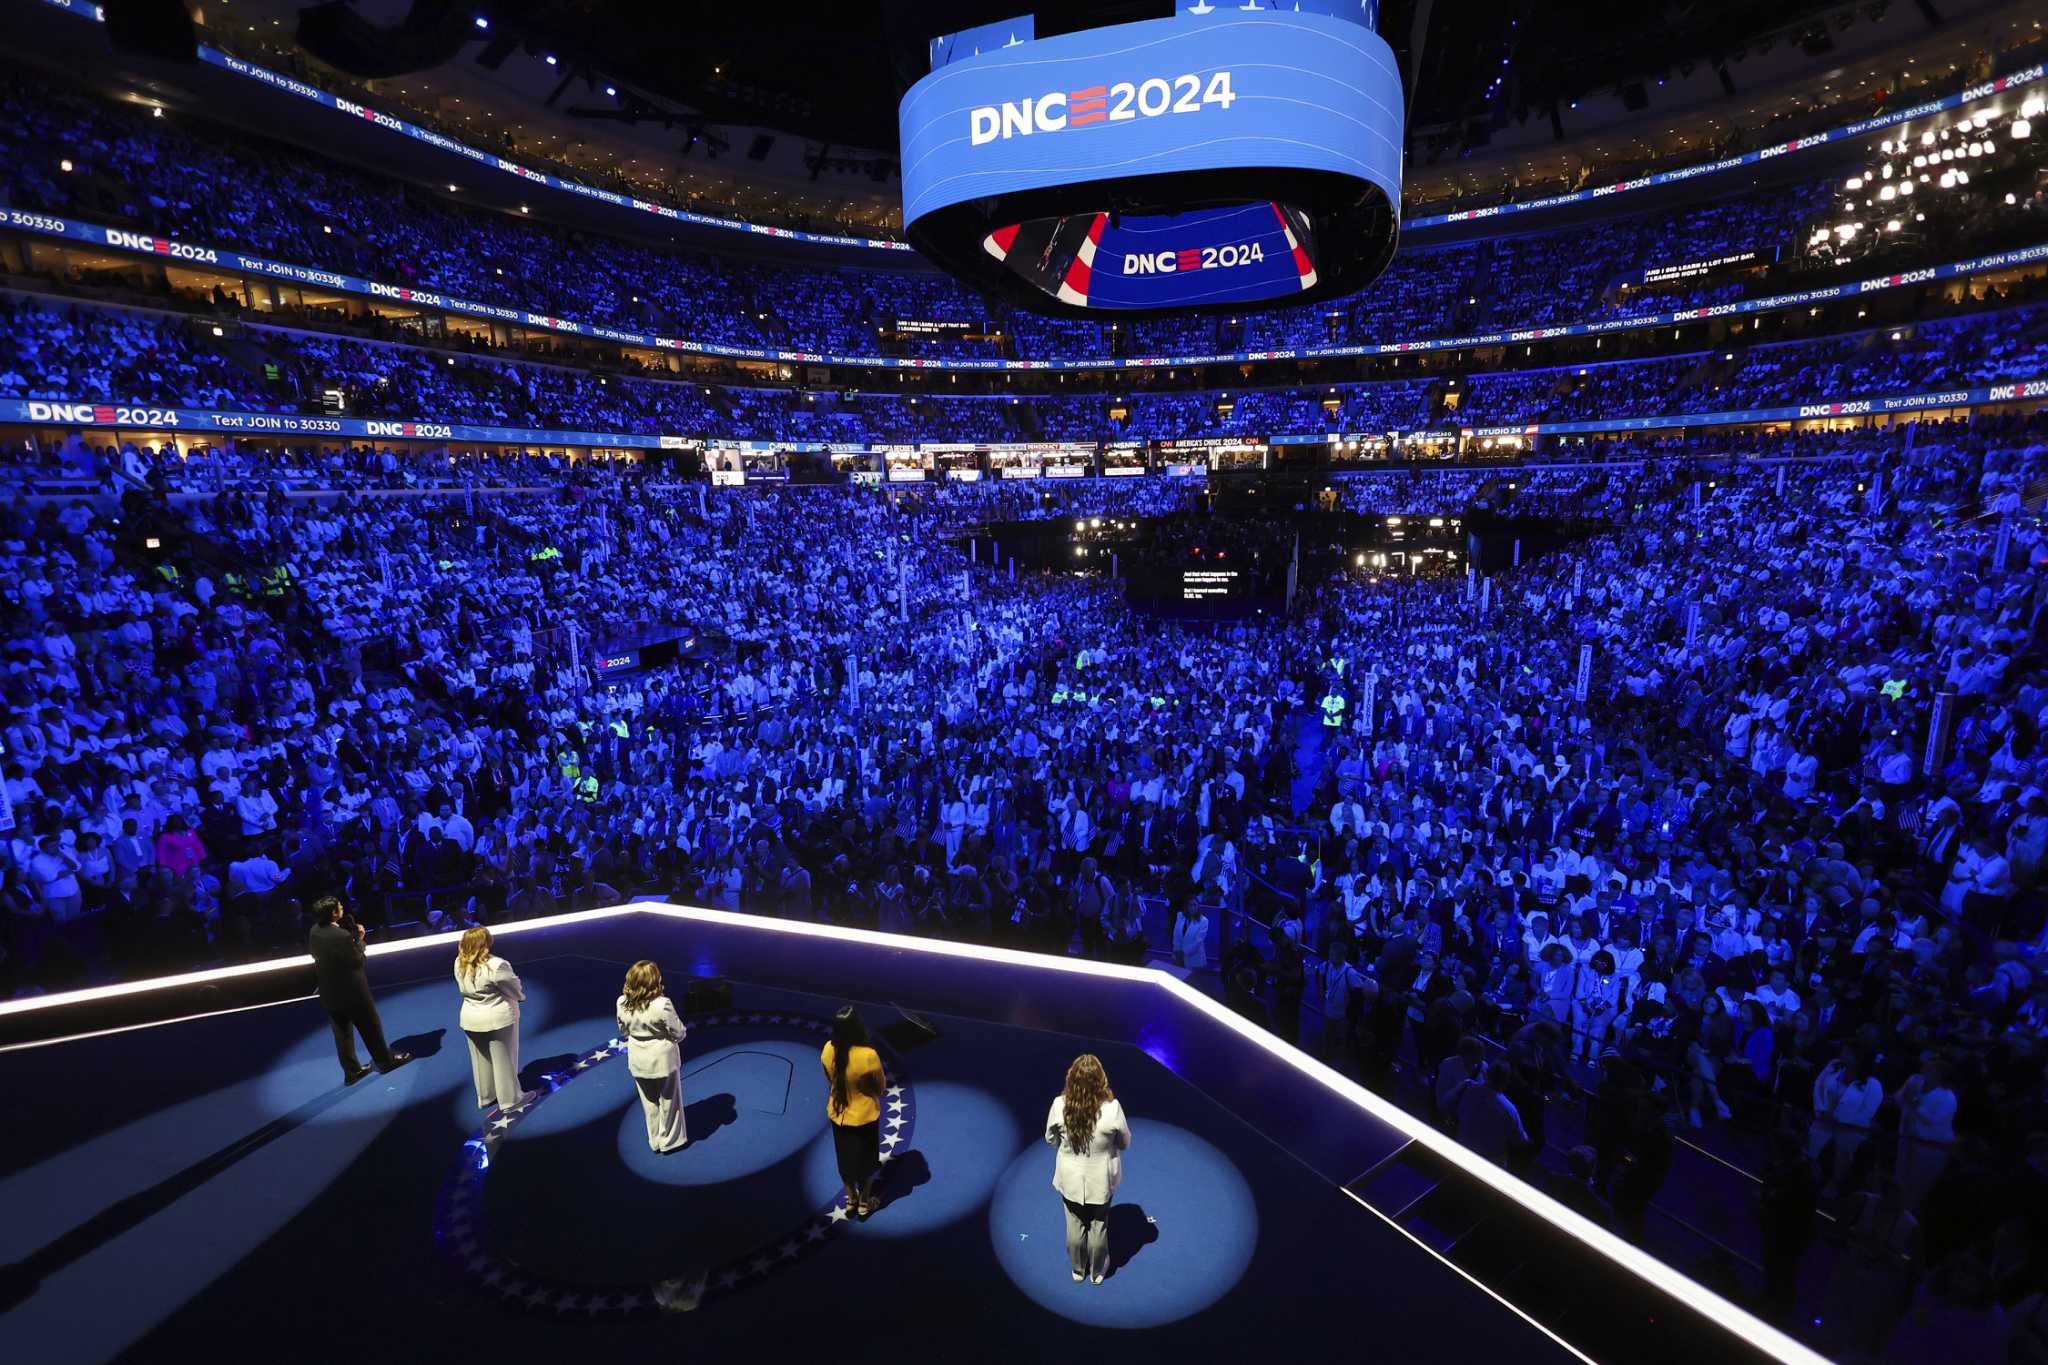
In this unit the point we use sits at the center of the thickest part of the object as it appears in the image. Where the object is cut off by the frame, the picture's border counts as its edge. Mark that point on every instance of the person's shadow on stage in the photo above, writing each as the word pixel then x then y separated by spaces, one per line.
pixel 420 1045
pixel 534 1072
pixel 1130 1232
pixel 20 1279
pixel 706 1116
pixel 900 1177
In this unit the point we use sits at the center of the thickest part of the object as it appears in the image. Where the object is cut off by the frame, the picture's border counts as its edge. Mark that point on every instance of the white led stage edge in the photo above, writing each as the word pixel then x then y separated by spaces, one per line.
pixel 1729 1317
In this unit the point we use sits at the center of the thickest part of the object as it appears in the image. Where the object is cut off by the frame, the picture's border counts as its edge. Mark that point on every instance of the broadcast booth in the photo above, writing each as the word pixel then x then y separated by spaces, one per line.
pixel 960 463
pixel 1122 459
pixel 1014 461
pixel 1213 453
pixel 903 464
pixel 737 463
pixel 1040 460
pixel 1067 460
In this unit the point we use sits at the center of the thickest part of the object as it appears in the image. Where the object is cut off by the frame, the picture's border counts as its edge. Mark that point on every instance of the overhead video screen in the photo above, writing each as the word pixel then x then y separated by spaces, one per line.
pixel 1211 256
pixel 1184 162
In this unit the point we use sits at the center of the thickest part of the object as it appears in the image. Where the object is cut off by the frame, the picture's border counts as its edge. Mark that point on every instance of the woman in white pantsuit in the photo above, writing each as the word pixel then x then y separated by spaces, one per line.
pixel 490 1020
pixel 654 1054
pixel 1088 1130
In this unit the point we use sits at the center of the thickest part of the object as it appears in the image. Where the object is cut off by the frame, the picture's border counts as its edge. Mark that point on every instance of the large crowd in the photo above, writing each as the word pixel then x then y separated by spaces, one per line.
pixel 1721 811
pixel 1727 877
pixel 49 350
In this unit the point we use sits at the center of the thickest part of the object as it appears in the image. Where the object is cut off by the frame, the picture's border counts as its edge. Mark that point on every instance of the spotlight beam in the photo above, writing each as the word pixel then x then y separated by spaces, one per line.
pixel 1717 1310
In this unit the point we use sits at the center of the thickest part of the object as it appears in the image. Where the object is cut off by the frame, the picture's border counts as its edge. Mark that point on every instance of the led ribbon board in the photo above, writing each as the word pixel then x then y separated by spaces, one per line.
pixel 1229 155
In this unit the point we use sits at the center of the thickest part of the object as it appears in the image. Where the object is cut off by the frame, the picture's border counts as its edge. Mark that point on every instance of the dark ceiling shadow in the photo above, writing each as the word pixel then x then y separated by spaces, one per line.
pixel 1130 1232
pixel 708 1115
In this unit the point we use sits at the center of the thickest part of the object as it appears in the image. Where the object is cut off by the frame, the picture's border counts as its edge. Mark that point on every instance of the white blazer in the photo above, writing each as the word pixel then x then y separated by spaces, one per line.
pixel 1191 939
pixel 490 999
pixel 654 1037
pixel 1089 1177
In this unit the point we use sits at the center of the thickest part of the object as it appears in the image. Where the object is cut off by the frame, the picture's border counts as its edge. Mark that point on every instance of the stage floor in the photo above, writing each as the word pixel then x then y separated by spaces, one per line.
pixel 208 1188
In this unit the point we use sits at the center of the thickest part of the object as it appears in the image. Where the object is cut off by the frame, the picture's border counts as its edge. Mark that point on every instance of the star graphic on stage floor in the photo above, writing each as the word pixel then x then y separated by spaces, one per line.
pixel 462 1195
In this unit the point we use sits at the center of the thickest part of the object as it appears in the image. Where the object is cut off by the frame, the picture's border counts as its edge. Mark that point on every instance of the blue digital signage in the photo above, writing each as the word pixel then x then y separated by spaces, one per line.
pixel 1186 132
pixel 1232 255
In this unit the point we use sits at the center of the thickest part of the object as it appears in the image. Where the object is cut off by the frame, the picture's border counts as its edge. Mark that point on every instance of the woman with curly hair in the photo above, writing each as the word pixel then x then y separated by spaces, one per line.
pixel 1088 1131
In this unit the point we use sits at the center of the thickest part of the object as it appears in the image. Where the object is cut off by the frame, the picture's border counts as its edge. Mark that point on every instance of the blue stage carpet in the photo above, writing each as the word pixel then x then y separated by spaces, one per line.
pixel 208 1190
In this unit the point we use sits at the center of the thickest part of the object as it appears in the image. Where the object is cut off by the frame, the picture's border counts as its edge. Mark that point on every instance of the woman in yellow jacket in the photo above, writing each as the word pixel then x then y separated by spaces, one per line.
pixel 853 1102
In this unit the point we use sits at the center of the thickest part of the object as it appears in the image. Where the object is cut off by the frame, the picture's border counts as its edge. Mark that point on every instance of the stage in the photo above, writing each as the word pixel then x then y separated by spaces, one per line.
pixel 178 1187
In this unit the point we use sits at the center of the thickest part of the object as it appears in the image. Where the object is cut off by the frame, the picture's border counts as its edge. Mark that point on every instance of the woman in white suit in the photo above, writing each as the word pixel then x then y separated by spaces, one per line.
pixel 1088 1131
pixel 654 1054
pixel 1191 938
pixel 491 995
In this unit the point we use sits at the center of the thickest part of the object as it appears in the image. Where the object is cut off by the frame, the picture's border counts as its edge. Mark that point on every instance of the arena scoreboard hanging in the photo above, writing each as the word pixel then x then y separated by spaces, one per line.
pixel 1226 156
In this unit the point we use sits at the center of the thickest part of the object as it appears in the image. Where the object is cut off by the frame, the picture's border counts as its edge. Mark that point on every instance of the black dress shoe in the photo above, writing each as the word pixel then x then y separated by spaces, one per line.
pixel 351 1077
pixel 398 1059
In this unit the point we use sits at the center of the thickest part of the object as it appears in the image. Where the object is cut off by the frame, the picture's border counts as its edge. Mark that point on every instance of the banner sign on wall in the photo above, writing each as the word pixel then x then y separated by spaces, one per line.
pixel 172 251
pixel 1712 265
pixel 138 417
pixel 84 413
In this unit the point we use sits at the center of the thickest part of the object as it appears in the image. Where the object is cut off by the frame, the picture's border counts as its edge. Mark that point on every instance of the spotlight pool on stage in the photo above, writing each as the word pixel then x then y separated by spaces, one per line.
pixel 204 1166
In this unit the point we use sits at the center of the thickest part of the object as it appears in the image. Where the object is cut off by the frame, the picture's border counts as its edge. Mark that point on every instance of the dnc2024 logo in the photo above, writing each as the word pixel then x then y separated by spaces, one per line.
pixel 1060 111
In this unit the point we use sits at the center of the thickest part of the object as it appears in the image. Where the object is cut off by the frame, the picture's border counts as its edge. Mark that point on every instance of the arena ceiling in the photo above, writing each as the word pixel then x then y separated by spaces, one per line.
pixel 834 73
pixel 788 114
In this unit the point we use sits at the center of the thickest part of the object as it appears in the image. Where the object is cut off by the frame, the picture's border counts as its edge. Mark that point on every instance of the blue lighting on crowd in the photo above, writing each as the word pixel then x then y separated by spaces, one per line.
pixel 911 612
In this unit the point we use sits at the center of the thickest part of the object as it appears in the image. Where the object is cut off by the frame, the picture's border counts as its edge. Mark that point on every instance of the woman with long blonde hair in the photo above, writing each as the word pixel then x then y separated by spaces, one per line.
pixel 1089 1135
pixel 491 995
pixel 654 1035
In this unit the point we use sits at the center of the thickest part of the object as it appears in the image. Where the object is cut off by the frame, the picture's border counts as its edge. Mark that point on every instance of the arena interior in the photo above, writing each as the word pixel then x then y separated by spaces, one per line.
pixel 1447 596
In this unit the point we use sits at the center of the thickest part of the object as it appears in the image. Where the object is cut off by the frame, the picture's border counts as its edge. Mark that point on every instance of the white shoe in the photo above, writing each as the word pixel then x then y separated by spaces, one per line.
pixel 1078 1277
pixel 1098 1279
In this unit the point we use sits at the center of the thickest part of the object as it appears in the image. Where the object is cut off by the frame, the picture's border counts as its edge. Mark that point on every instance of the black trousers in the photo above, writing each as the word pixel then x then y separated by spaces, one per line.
pixel 350 1017
pixel 859 1149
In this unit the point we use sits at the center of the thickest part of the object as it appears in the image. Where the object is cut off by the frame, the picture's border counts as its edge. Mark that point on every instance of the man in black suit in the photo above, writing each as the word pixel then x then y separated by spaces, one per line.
pixel 337 951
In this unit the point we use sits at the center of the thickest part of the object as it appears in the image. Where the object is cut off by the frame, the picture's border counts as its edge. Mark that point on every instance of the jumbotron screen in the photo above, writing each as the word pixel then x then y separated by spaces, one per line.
pixel 1157 262
pixel 1224 156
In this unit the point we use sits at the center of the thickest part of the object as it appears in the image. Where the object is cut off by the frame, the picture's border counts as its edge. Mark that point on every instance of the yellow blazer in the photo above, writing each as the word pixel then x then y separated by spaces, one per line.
pixel 864 1085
